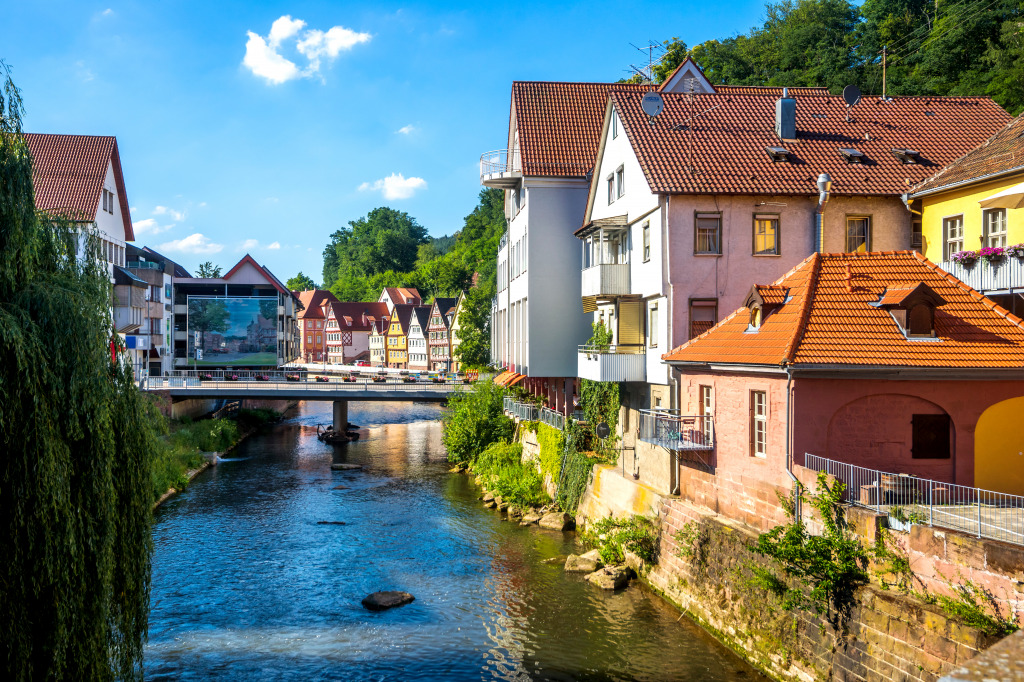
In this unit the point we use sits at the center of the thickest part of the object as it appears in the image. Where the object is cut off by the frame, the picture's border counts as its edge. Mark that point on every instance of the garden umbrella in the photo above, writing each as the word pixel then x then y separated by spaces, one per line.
pixel 1011 197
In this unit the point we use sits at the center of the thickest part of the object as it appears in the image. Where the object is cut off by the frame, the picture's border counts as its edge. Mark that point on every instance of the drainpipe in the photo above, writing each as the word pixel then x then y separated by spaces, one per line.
pixel 824 191
pixel 789 438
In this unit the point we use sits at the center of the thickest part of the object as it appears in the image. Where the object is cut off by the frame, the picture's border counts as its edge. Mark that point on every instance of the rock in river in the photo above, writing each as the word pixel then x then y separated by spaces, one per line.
pixel 379 601
pixel 557 521
pixel 610 577
pixel 345 466
pixel 529 518
pixel 584 563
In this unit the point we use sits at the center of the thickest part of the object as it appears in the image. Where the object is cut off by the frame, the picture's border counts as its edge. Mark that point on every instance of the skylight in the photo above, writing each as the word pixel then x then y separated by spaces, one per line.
pixel 907 156
pixel 778 153
pixel 852 155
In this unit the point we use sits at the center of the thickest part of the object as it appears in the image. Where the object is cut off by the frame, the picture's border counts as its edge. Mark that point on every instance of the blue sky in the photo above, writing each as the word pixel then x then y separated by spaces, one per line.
pixel 263 127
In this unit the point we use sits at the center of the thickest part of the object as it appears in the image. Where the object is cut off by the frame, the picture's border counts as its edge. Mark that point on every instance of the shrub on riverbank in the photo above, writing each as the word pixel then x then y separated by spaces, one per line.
pixel 473 420
pixel 502 469
pixel 613 537
pixel 552 443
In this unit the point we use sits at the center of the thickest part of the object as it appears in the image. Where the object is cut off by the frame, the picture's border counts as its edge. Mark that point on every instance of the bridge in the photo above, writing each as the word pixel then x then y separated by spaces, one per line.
pixel 220 384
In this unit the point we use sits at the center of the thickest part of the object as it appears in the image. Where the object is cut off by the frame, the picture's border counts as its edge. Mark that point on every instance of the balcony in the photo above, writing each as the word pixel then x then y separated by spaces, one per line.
pixel 673 431
pixel 500 169
pixel 606 280
pixel 612 363
pixel 997 278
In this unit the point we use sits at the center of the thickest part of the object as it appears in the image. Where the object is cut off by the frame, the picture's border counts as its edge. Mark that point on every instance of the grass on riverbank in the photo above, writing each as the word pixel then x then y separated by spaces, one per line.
pixel 501 468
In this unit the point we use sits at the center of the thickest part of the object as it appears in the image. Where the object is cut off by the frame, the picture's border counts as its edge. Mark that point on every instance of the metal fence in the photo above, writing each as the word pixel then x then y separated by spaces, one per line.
pixel 677 432
pixel 904 497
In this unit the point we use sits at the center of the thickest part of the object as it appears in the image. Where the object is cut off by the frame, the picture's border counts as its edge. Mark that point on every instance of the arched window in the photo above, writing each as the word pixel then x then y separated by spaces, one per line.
pixel 755 317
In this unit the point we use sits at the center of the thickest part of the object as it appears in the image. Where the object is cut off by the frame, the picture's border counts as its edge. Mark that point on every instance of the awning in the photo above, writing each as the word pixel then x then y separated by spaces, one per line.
pixel 515 380
pixel 500 378
pixel 1011 197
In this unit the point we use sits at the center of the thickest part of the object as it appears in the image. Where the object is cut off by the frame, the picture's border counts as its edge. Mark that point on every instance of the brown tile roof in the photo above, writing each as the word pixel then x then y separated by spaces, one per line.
pixel 407 295
pixel 727 146
pixel 559 125
pixel 1001 153
pixel 833 318
pixel 312 303
pixel 351 314
pixel 68 173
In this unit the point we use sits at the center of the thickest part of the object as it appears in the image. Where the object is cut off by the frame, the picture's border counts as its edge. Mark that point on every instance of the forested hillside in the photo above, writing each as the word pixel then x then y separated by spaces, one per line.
pixel 933 47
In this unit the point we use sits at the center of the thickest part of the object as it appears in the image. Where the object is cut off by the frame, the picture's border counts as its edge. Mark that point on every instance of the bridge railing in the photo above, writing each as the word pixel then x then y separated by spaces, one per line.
pixel 256 381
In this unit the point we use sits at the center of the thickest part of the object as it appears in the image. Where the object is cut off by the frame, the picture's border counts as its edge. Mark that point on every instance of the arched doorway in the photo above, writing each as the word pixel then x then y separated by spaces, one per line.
pixel 999 448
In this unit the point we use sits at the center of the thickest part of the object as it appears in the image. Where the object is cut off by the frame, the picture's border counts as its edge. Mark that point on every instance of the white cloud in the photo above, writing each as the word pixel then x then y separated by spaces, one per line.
pixel 254 244
pixel 395 186
pixel 176 216
pixel 149 226
pixel 196 243
pixel 263 56
pixel 202 204
pixel 274 246
pixel 107 12
pixel 405 130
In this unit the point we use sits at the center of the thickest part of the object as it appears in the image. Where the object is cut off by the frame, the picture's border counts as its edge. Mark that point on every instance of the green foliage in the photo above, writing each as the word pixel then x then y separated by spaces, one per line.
pixel 612 537
pixel 891 563
pixel 975 606
pixel 76 444
pixel 600 399
pixel 301 282
pixel 474 333
pixel 257 418
pixel 904 515
pixel 208 270
pixel 181 450
pixel 473 420
pixel 576 469
pixel 504 473
pixel 552 445
pixel 827 567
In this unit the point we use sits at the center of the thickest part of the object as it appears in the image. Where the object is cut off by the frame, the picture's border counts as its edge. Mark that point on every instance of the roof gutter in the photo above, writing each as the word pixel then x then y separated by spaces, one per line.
pixel 962 183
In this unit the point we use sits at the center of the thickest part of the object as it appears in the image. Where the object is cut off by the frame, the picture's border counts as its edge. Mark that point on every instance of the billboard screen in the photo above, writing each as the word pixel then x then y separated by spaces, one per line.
pixel 232 331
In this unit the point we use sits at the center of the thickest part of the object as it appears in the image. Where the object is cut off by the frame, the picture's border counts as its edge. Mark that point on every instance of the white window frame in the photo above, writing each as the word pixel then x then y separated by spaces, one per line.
pixel 620 181
pixel 646 231
pixel 759 423
pixel 994 238
pixel 611 189
pixel 652 324
pixel 953 237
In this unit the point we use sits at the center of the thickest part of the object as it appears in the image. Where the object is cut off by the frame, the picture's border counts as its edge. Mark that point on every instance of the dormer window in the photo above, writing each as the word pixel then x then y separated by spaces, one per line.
pixel 907 156
pixel 755 317
pixel 852 155
pixel 778 153
pixel 913 306
pixel 762 302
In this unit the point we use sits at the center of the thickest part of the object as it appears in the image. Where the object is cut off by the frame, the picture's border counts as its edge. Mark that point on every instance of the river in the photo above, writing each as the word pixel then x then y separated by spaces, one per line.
pixel 248 585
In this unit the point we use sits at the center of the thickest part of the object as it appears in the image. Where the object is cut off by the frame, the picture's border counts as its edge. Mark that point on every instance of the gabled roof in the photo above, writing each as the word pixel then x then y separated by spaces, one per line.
pixel 833 318
pixel 350 314
pixel 444 308
pixel 421 315
pixel 402 313
pixel 312 303
pixel 715 143
pixel 68 172
pixel 559 125
pixel 1001 154
pixel 263 271
pixel 404 295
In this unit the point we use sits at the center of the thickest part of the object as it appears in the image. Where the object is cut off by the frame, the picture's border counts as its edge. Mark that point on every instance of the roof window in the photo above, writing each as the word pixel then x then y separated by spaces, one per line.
pixel 913 307
pixel 778 153
pixel 906 156
pixel 762 301
pixel 852 155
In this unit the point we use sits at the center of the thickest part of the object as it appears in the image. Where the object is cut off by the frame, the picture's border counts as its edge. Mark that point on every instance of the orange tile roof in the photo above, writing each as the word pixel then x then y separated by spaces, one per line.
pixel 772 294
pixel 999 154
pixel 833 318
pixel 404 295
pixel 68 172
pixel 723 138
pixel 312 302
pixel 559 125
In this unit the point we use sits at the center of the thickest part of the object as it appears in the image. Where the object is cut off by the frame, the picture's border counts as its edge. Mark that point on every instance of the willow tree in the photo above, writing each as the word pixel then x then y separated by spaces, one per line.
pixel 75 442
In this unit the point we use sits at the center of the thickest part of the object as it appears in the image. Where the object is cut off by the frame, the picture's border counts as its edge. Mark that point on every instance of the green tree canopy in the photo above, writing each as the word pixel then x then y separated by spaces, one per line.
pixel 384 240
pixel 300 282
pixel 209 270
pixel 75 447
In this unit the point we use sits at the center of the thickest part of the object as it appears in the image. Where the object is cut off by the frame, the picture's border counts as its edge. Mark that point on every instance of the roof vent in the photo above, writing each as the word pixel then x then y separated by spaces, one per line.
pixel 778 153
pixel 852 155
pixel 907 156
pixel 785 116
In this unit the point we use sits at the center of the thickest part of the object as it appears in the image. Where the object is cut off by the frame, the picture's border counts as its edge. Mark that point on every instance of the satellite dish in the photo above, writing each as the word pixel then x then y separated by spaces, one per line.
pixel 851 95
pixel 652 104
pixel 603 430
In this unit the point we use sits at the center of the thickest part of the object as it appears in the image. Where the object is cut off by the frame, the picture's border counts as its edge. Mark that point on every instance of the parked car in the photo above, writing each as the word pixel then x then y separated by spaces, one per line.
pixel 362 363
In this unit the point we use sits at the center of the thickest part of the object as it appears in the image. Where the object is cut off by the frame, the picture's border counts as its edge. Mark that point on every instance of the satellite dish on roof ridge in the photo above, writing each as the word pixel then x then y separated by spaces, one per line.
pixel 851 95
pixel 652 104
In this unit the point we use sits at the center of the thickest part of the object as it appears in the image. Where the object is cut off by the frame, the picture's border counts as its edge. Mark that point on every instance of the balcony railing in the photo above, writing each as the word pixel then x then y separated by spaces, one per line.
pixel 612 363
pixel 609 279
pixel 144 265
pixel 989 278
pixel 500 169
pixel 673 431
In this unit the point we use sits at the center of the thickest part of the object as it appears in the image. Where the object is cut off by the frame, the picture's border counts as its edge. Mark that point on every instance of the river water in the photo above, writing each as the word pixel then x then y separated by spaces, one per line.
pixel 248 585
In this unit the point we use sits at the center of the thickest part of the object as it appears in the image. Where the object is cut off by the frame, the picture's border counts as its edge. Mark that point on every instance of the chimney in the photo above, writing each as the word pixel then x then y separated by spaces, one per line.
pixel 785 116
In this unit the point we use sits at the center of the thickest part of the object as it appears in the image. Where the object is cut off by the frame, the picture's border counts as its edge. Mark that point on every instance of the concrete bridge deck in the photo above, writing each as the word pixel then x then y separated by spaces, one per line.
pixel 364 389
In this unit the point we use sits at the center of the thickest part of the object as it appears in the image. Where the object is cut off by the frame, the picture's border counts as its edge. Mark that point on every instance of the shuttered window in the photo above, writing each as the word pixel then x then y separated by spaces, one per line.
pixel 630 323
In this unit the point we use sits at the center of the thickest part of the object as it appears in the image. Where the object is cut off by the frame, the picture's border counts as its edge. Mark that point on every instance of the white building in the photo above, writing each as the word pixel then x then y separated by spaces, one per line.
pixel 417 339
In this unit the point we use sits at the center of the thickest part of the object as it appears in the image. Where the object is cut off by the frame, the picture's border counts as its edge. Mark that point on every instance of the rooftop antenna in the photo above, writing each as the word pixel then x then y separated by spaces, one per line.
pixel 646 73
pixel 884 53
pixel 851 95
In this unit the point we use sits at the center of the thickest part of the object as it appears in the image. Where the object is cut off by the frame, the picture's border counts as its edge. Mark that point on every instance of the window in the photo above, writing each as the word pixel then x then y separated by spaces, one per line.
pixel 858 234
pixel 930 436
pixel 758 423
pixel 920 320
pixel 703 315
pixel 766 235
pixel 995 227
pixel 916 235
pixel 708 233
pixel 615 125
pixel 620 181
pixel 652 326
pixel 953 235
pixel 705 411
pixel 647 240
pixel 309 338
pixel 319 339
pixel 611 189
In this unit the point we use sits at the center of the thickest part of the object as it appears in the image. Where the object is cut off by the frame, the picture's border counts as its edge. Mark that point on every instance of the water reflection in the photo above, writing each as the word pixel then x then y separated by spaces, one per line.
pixel 247 584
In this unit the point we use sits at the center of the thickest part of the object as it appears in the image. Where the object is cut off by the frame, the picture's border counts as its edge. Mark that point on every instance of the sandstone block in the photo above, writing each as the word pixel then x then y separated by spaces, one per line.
pixel 557 521
pixel 609 577
pixel 584 563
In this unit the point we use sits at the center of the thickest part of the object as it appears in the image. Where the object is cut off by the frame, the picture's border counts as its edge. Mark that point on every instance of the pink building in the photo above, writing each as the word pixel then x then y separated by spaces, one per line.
pixel 880 360
pixel 348 325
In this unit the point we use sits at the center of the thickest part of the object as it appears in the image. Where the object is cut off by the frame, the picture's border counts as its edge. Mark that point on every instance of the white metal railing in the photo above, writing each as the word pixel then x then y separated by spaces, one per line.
pixel 606 279
pixel 499 161
pixel 673 431
pixel 983 513
pixel 612 363
pixel 277 379
pixel 1004 275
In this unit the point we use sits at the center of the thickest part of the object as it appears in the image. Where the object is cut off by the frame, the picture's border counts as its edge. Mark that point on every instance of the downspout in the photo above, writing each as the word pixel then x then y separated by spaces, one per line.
pixel 789 440
pixel 824 191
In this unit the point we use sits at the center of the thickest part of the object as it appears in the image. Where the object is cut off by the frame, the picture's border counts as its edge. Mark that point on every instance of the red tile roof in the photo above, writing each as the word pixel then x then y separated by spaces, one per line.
pixel 312 303
pixel 406 295
pixel 263 271
pixel 1002 153
pixel 351 314
pixel 559 125
pixel 726 147
pixel 772 294
pixel 68 172
pixel 774 91
pixel 834 318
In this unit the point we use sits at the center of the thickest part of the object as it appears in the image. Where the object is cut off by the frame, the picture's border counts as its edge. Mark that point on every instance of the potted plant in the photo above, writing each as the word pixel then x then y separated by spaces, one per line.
pixel 1017 251
pixel 965 258
pixel 992 254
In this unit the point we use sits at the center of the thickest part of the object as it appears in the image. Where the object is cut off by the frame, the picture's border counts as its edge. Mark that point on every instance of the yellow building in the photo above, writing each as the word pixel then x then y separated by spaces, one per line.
pixel 977 202
pixel 398 336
